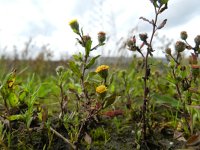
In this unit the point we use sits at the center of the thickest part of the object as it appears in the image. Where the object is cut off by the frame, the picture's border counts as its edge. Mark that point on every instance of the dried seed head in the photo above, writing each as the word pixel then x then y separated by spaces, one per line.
pixel 168 51
pixel 131 45
pixel 184 35
pixel 180 46
pixel 143 37
pixel 101 37
pixel 197 40
pixel 86 38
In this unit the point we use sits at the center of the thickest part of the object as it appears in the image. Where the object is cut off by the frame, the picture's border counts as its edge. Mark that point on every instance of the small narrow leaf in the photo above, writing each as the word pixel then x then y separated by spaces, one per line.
pixel 165 99
pixel 15 117
pixel 77 57
pixel 109 100
pixel 155 3
pixel 90 75
pixel 74 68
pixel 162 24
pixel 164 1
pixel 22 96
pixel 79 41
pixel 13 99
pixel 145 19
pixel 88 47
pixel 163 8
pixel 92 61
pixel 111 78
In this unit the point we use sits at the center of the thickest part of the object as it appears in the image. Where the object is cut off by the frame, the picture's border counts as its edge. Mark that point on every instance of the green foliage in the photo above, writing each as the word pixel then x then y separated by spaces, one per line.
pixel 75 68
pixel 109 100
pixel 165 99
pixel 92 61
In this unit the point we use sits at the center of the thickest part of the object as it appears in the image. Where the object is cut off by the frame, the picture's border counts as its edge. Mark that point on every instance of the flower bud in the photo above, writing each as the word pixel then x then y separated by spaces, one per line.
pixel 168 51
pixel 131 45
pixel 143 37
pixel 184 35
pixel 101 37
pixel 74 25
pixel 180 46
pixel 197 40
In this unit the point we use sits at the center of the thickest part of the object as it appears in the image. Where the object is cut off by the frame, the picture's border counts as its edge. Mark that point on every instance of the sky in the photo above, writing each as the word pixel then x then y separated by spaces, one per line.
pixel 46 22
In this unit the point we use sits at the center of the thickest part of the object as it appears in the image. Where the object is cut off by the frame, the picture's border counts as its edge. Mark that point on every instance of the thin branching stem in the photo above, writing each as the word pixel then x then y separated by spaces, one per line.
pixel 146 67
pixel 82 78
pixel 181 100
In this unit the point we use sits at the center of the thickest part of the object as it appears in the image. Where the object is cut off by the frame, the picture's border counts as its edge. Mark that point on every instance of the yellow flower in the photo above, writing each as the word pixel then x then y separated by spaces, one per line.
pixel 101 68
pixel 101 89
pixel 74 25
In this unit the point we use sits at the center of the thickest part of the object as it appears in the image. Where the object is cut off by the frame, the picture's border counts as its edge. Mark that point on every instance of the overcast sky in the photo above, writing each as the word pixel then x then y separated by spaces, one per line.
pixel 46 21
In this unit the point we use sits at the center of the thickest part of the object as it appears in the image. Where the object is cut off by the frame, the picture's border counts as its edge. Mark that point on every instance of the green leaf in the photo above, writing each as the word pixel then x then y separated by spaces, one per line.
pixel 92 61
pixel 166 99
pixel 171 80
pixel 13 99
pixel 110 80
pixel 88 47
pixel 164 1
pixel 22 95
pixel 90 75
pixel 29 121
pixel 109 100
pixel 74 68
pixel 155 3
pixel 77 57
pixel 16 117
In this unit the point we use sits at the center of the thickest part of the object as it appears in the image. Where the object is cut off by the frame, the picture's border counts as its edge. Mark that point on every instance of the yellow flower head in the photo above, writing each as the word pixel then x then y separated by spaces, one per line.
pixel 74 25
pixel 101 68
pixel 101 89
